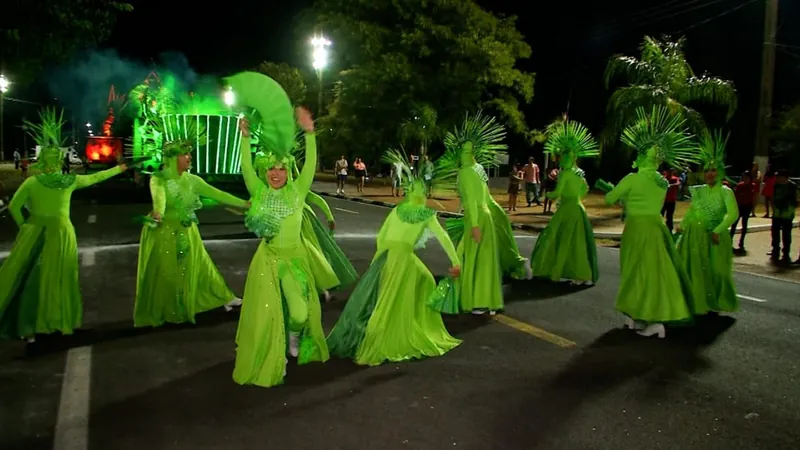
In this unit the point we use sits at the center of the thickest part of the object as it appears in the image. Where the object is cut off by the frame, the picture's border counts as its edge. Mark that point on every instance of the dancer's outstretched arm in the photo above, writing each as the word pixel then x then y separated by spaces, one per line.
pixel 248 172
pixel 441 236
pixel 620 190
pixel 83 181
pixel 206 190
pixel 306 177
pixel 19 200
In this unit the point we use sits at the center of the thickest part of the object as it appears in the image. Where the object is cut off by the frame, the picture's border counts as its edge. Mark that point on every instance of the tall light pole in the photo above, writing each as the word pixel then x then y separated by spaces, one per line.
pixel 4 84
pixel 320 46
pixel 767 81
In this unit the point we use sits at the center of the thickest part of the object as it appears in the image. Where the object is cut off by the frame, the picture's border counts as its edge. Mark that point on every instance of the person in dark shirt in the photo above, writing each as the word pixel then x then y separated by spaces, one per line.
pixel 784 203
pixel 744 199
pixel 668 209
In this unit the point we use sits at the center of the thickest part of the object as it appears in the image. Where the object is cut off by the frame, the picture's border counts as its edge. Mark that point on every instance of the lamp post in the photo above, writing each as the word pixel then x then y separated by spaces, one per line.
pixel 4 84
pixel 320 46
pixel 229 97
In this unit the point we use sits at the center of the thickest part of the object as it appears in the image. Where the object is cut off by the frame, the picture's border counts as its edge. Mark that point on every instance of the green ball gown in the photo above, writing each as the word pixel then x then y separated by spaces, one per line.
pixel 39 288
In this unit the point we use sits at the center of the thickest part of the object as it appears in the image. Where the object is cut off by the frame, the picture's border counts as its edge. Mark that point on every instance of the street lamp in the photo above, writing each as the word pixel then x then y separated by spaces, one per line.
pixel 4 84
pixel 320 46
pixel 229 97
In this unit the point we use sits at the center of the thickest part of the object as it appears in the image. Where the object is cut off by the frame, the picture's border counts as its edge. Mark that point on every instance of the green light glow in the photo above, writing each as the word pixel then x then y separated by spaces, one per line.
pixel 219 155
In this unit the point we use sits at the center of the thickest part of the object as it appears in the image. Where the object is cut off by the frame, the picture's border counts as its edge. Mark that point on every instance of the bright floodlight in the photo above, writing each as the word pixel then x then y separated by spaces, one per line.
pixel 320 54
pixel 229 97
pixel 4 84
pixel 88 125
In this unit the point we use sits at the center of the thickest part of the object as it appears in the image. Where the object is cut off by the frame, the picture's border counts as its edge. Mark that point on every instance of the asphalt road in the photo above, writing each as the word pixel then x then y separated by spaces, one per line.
pixel 515 383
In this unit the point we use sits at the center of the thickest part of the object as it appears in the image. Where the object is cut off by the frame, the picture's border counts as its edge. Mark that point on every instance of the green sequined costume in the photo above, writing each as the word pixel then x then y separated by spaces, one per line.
pixel 176 277
pixel 713 210
pixel 39 289
pixel 653 286
pixel 281 312
pixel 387 317
pixel 566 250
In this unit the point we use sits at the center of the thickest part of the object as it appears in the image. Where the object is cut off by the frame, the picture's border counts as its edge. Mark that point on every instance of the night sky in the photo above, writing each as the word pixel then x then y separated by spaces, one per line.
pixel 571 44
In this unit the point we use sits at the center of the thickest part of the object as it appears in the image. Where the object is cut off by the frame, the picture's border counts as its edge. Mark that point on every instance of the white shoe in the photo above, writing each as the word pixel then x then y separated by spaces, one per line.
pixel 294 344
pixel 327 296
pixel 478 312
pixel 235 302
pixel 588 283
pixel 492 313
pixel 654 329
pixel 528 270
pixel 31 339
pixel 633 324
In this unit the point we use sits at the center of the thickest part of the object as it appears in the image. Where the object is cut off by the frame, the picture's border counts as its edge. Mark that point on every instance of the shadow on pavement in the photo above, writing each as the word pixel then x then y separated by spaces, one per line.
pixel 614 359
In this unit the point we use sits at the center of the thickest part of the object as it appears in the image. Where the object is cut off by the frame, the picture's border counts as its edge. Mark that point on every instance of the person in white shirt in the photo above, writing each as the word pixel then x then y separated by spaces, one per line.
pixel 341 174
pixel 532 182
pixel 397 179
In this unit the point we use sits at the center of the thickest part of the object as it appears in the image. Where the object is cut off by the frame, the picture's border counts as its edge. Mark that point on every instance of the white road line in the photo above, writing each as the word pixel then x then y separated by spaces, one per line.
pixel 752 299
pixel 92 218
pixel 72 422
pixel 87 258
pixel 345 210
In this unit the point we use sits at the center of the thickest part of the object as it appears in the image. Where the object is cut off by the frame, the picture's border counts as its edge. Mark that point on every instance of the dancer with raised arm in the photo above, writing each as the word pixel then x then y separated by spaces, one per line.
pixel 281 312
pixel 176 277
pixel 387 317
pixel 566 249
pixel 654 289
pixel 39 288
pixel 705 243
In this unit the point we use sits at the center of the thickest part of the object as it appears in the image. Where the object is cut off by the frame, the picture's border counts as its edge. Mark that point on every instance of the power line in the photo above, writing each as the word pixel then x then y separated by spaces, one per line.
pixel 724 13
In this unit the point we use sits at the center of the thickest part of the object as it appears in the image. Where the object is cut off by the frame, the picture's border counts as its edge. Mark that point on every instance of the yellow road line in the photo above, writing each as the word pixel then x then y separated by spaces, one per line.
pixel 234 211
pixel 534 331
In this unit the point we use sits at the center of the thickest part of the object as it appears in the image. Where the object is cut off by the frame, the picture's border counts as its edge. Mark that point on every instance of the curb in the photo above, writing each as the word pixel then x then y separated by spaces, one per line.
pixel 616 236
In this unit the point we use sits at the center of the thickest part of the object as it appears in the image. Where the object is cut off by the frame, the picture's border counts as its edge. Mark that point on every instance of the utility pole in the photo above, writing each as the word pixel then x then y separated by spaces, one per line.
pixel 767 83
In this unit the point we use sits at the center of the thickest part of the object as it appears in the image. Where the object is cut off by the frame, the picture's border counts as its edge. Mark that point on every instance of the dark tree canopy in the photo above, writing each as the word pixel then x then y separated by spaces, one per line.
pixel 34 34
pixel 446 57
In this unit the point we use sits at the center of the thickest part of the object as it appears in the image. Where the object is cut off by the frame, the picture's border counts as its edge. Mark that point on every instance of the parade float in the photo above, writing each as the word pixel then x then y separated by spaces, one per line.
pixel 164 110
pixel 107 149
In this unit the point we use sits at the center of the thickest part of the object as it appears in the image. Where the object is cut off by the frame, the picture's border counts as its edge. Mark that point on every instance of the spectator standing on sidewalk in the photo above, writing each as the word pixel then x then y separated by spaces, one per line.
pixel 341 174
pixel 768 190
pixel 361 174
pixel 17 159
pixel 514 179
pixel 755 175
pixel 426 171
pixel 552 179
pixel 668 210
pixel 784 205
pixel 745 200
pixel 397 179
pixel 532 182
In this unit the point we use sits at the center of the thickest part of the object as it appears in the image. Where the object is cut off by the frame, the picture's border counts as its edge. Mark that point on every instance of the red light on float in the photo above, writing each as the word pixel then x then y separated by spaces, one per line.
pixel 103 148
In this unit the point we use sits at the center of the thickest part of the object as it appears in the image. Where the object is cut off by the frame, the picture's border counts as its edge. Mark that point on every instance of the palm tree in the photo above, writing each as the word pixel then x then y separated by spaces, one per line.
pixel 662 76
pixel 422 127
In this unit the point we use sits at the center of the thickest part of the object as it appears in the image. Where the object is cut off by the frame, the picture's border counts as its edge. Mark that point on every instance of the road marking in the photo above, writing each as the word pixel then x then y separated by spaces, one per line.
pixel 88 258
pixel 345 210
pixel 752 299
pixel 92 218
pixel 534 331
pixel 72 422
pixel 235 211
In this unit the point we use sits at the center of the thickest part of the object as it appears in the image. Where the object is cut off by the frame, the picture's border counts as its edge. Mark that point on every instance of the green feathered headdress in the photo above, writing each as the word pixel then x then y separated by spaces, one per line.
pixel 712 152
pixel 479 136
pixel 659 136
pixel 572 140
pixel 47 134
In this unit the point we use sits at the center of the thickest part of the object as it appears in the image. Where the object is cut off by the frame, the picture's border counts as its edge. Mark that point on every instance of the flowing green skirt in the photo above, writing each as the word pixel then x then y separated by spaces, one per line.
pixel 653 286
pixel 387 317
pixel 320 237
pixel 710 270
pixel 262 336
pixel 511 261
pixel 566 248
pixel 176 277
pixel 39 288
pixel 480 285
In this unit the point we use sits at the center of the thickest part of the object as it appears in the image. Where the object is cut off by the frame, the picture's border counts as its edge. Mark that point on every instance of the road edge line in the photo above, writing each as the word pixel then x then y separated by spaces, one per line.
pixel 534 331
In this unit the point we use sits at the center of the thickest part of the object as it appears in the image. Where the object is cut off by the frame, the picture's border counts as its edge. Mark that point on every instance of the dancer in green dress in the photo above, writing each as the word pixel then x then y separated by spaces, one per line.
pixel 481 250
pixel 39 289
pixel 281 312
pixel 566 250
pixel 387 317
pixel 176 277
pixel 704 246
pixel 654 289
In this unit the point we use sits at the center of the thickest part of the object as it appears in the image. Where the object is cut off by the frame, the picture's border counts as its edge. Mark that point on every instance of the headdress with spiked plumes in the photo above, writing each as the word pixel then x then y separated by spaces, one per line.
pixel 47 134
pixel 712 152
pixel 659 136
pixel 479 138
pixel 192 133
pixel 413 208
pixel 570 141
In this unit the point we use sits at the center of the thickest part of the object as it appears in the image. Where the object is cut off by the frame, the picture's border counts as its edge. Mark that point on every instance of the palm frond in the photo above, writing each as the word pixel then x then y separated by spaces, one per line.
pixel 571 137
pixel 634 70
pixel 661 130
pixel 708 89
pixel 47 133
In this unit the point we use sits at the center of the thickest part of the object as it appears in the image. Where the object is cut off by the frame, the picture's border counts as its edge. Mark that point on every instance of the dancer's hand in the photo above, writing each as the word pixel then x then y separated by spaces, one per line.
pixel 123 167
pixel 476 234
pixel 249 204
pixel 331 225
pixel 244 126
pixel 715 238
pixel 455 271
pixel 304 119
pixel 156 216
pixel 678 229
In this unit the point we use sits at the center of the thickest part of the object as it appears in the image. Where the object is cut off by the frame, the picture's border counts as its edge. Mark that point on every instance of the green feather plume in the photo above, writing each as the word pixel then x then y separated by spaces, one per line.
pixel 662 135
pixel 571 137
pixel 712 151
pixel 486 136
